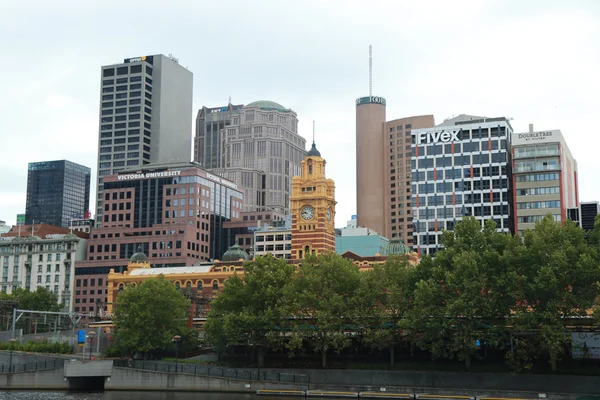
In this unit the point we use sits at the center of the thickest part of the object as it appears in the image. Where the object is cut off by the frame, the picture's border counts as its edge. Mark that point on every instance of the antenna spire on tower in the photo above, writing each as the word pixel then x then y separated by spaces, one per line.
pixel 370 70
pixel 313 131
pixel 229 99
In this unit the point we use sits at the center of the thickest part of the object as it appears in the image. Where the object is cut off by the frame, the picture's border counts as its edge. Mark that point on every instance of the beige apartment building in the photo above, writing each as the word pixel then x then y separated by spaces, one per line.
pixel 545 177
pixel 397 176
pixel 383 168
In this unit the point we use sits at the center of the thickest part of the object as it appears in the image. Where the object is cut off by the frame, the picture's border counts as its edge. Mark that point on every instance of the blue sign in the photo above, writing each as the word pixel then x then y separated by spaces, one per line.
pixel 477 343
pixel 81 336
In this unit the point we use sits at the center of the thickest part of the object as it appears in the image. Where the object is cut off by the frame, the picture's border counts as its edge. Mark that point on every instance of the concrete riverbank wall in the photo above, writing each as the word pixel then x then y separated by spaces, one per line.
pixel 77 374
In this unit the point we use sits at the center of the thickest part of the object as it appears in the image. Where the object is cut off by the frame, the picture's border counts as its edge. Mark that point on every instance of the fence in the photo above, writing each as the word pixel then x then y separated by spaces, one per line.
pixel 5 336
pixel 32 367
pixel 217 372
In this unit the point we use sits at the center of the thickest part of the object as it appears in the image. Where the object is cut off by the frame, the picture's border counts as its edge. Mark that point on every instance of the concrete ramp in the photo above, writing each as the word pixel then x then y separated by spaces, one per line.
pixel 89 369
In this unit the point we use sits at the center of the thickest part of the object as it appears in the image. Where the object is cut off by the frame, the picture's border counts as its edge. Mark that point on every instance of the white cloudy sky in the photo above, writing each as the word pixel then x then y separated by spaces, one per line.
pixel 537 61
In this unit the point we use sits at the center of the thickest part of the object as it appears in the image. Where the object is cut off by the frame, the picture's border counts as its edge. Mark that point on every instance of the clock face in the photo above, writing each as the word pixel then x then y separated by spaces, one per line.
pixel 307 213
pixel 329 214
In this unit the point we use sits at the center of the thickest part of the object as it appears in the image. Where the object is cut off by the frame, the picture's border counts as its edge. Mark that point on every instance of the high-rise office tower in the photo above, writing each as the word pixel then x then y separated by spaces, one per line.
pixel 57 192
pixel 383 168
pixel 370 163
pixel 145 116
pixel 261 151
pixel 398 219
pixel 460 168
pixel 545 177
pixel 210 122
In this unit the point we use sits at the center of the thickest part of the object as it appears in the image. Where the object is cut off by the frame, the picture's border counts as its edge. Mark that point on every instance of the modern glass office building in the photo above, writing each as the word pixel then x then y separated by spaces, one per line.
pixel 460 168
pixel 57 192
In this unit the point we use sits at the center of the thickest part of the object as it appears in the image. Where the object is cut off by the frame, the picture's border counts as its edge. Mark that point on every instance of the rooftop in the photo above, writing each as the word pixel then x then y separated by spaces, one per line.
pixel 171 270
pixel 267 105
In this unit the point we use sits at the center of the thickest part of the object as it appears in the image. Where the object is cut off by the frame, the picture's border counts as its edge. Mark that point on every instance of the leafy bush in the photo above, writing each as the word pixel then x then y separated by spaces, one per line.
pixel 38 347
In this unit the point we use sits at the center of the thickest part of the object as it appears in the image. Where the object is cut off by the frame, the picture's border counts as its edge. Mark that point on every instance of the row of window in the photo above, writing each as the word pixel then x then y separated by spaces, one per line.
pixel 448 161
pixel 120 81
pixel 538 204
pixel 271 238
pixel 537 177
pixel 458 212
pixel 538 191
pixel 133 69
pixel 536 218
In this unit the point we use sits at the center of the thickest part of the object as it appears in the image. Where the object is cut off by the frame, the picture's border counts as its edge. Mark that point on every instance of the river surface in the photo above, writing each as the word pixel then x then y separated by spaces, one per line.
pixel 40 395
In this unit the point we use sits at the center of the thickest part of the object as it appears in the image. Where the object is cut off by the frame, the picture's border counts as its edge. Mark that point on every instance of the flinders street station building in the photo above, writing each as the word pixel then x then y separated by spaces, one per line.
pixel 313 214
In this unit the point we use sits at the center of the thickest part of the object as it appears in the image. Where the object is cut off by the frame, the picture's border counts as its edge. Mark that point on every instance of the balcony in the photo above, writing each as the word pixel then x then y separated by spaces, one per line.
pixel 67 261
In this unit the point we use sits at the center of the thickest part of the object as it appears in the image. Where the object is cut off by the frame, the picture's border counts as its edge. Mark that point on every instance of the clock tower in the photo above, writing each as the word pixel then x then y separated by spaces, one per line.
pixel 313 208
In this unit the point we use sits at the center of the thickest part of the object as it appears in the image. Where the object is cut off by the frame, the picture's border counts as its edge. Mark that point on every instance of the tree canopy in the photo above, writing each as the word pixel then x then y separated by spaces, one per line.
pixel 149 315
pixel 485 290
pixel 39 300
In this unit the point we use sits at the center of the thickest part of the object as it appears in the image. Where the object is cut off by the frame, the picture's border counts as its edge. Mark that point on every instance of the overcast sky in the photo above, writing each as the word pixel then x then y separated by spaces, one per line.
pixel 534 61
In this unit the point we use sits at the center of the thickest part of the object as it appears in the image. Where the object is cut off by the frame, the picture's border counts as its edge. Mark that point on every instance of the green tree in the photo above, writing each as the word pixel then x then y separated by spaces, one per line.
pixel 558 272
pixel 147 316
pixel 385 295
pixel 249 311
pixel 39 300
pixel 461 296
pixel 322 302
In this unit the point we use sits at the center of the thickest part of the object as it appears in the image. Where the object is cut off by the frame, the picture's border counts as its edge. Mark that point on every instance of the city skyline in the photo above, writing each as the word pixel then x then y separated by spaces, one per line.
pixel 317 71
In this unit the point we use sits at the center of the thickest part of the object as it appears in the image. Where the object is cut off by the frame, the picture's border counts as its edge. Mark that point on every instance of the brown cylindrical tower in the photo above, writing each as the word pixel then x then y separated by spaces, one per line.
pixel 370 162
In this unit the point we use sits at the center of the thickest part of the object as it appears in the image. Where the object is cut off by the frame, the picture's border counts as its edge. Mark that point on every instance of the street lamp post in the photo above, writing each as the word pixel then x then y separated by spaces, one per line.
pixel 12 342
pixel 176 340
pixel 91 335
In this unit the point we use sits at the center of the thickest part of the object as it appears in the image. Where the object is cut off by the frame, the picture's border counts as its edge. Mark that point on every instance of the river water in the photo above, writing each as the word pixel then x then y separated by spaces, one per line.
pixel 39 395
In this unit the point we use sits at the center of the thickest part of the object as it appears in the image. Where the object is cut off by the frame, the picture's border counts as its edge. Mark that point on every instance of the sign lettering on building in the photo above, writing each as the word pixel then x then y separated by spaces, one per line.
pixel 148 175
pixel 534 136
pixel 54 236
pixel 370 100
pixel 437 137
pixel 218 179
pixel 135 59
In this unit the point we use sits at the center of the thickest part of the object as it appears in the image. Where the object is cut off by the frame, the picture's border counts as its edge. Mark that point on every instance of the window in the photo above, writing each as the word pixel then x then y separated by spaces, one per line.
pixel 215 285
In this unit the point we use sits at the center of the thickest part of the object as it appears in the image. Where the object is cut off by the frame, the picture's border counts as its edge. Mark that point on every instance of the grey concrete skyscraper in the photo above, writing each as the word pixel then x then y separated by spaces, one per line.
pixel 261 150
pixel 145 116
pixel 57 192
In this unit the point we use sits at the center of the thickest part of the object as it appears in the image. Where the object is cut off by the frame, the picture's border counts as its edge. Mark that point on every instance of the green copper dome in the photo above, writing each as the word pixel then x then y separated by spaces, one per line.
pixel 235 253
pixel 395 247
pixel 139 256
pixel 267 105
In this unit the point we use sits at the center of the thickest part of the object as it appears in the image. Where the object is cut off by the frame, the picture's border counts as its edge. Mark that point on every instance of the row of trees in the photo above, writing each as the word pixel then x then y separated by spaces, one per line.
pixel 484 287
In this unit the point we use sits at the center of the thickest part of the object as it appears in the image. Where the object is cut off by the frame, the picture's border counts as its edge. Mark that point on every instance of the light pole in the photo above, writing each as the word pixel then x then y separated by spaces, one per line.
pixel 91 335
pixel 12 344
pixel 176 340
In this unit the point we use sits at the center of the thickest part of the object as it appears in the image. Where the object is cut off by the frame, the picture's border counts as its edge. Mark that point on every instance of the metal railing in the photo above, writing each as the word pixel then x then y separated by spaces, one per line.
pixel 32 367
pixel 216 372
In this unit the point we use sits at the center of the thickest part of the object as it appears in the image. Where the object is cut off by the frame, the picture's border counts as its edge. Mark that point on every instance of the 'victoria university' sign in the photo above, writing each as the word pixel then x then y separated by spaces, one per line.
pixel 437 137
pixel 148 175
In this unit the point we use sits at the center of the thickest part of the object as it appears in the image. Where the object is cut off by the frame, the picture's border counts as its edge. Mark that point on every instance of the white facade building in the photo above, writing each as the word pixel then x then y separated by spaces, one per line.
pixel 32 262
pixel 274 238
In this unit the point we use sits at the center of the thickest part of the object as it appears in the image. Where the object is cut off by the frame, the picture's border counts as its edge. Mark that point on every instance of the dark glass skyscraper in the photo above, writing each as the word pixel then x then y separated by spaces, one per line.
pixel 57 191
